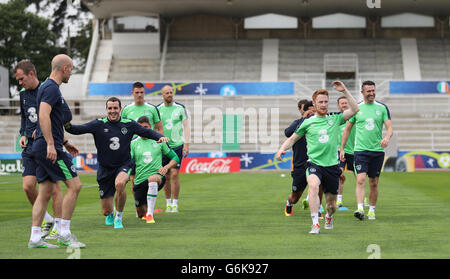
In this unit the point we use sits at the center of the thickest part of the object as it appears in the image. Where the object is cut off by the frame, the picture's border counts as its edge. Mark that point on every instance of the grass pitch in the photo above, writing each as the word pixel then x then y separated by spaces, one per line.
pixel 240 216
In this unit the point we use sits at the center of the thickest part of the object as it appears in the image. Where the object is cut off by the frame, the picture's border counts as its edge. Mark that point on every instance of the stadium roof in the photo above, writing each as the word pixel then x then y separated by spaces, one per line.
pixel 246 8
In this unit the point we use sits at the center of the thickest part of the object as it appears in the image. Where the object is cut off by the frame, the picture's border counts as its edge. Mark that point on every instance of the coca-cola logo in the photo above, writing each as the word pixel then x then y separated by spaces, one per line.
pixel 211 165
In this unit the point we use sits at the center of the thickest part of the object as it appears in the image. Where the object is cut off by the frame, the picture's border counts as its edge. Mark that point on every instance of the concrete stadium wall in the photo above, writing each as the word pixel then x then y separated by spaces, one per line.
pixel 210 27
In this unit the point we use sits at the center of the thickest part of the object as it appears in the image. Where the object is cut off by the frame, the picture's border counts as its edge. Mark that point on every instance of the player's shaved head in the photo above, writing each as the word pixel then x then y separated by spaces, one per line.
pixel 59 61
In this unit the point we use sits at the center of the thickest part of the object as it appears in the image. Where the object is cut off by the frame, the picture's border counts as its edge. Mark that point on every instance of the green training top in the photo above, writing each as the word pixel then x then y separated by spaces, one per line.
pixel 172 118
pixel 322 138
pixel 369 126
pixel 147 154
pixel 133 111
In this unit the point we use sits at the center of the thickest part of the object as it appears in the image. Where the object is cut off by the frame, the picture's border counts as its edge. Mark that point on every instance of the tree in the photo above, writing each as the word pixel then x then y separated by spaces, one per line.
pixel 24 35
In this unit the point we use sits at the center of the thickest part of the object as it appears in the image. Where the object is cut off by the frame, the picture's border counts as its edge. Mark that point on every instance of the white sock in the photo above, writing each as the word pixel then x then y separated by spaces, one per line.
pixel 65 227
pixel 48 218
pixel 57 224
pixel 152 193
pixel 174 202
pixel 315 218
pixel 307 197
pixel 118 215
pixel 168 202
pixel 372 208
pixel 35 234
pixel 288 203
pixel 339 198
pixel 361 206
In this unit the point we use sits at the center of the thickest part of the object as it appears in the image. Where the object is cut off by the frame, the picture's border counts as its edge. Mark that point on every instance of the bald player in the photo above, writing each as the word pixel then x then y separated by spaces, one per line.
pixel 53 164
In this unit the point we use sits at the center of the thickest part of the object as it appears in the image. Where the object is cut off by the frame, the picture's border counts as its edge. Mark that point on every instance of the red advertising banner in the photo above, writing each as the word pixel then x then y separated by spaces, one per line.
pixel 210 165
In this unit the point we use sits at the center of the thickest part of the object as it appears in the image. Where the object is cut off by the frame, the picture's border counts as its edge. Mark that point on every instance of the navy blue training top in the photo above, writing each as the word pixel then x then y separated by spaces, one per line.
pixel 49 93
pixel 28 111
pixel 299 149
pixel 112 139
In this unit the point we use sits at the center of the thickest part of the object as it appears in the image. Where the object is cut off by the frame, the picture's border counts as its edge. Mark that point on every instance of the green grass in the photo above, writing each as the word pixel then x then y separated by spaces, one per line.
pixel 241 216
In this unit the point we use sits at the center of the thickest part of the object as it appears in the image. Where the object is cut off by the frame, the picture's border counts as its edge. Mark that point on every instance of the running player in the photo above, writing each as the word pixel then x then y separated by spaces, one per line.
pixel 299 158
pixel 150 174
pixel 342 104
pixel 112 136
pixel 176 123
pixel 322 132
pixel 369 146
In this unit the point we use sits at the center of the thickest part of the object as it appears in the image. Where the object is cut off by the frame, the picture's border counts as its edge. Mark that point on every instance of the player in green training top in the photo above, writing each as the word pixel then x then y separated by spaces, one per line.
pixel 176 127
pixel 369 145
pixel 141 108
pixel 150 174
pixel 342 105
pixel 322 132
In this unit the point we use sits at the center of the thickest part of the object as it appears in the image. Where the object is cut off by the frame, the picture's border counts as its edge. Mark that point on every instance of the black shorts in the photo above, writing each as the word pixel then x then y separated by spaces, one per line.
pixel 328 176
pixel 140 191
pixel 106 178
pixel 299 179
pixel 179 151
pixel 28 163
pixel 63 169
pixel 369 162
pixel 349 162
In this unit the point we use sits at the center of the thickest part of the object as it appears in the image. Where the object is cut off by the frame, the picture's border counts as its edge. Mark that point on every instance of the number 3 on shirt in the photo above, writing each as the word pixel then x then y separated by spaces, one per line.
pixel 114 143
pixel 323 136
pixel 370 124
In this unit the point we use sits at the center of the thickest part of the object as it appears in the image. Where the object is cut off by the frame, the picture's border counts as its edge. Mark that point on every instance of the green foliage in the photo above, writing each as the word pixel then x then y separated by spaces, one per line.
pixel 24 35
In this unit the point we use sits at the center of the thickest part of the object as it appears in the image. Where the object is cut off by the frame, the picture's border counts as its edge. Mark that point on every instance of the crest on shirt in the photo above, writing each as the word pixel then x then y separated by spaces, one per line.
pixel 106 130
pixel 378 112
pixel 330 122
pixel 124 130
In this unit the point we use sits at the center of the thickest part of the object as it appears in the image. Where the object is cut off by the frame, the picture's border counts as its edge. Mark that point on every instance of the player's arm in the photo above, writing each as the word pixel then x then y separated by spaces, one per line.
pixel 345 134
pixel 187 136
pixel 385 141
pixel 86 128
pixel 147 133
pixel 46 127
pixel 23 138
pixel 287 145
pixel 71 148
pixel 158 126
pixel 353 105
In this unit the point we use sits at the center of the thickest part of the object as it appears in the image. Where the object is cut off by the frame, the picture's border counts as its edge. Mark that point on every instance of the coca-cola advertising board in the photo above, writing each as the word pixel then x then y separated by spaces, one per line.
pixel 210 165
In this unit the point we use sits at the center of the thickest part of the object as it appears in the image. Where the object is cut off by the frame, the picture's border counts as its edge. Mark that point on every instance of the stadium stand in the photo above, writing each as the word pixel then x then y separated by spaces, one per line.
pixel 308 57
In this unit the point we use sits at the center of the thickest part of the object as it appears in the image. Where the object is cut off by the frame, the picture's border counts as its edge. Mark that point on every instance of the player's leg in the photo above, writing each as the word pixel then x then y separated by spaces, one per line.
pixel 39 208
pixel 341 188
pixel 330 183
pixel 121 197
pixel 175 187
pixel 152 193
pixel 314 203
pixel 298 186
pixel 57 200
pixel 361 167
pixel 67 238
pixel 374 172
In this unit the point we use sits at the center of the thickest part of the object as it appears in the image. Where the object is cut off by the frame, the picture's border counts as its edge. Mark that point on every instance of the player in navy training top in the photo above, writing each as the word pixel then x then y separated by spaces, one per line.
pixel 53 164
pixel 299 157
pixel 112 136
